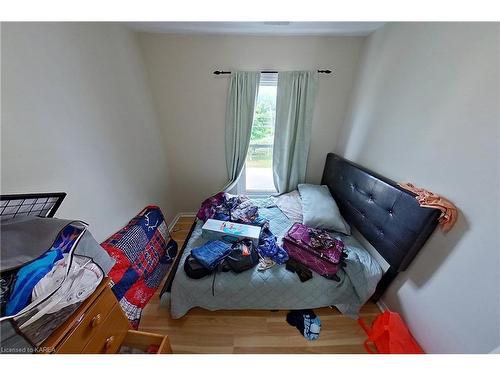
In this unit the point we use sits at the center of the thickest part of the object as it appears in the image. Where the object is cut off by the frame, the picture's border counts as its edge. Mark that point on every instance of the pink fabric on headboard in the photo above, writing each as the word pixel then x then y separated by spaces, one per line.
pixel 426 198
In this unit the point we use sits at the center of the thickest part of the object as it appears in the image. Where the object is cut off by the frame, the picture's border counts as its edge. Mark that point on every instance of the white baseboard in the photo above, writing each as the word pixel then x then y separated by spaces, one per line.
pixel 178 216
pixel 381 305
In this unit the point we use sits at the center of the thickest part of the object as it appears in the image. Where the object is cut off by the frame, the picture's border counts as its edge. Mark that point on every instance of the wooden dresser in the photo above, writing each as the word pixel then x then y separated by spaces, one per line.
pixel 100 326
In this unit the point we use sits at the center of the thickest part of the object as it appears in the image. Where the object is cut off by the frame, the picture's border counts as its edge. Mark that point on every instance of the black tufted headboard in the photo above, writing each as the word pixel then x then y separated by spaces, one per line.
pixel 388 216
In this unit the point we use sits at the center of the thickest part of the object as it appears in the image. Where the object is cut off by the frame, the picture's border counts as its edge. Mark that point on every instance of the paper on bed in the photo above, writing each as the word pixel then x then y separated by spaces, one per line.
pixel 230 232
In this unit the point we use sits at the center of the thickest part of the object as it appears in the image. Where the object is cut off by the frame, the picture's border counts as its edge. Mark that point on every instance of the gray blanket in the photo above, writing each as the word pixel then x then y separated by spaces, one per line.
pixel 276 288
pixel 26 238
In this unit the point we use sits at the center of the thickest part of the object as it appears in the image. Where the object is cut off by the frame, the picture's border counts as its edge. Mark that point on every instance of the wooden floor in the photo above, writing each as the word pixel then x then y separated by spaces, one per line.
pixel 250 331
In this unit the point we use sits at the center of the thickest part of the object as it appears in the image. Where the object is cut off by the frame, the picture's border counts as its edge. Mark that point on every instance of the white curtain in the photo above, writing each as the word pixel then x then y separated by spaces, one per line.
pixel 294 111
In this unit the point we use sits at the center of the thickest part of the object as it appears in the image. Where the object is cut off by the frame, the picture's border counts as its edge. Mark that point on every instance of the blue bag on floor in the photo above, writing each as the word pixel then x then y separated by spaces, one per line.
pixel 212 253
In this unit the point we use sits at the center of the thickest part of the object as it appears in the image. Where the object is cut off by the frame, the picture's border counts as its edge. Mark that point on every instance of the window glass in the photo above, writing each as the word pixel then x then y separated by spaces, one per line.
pixel 258 171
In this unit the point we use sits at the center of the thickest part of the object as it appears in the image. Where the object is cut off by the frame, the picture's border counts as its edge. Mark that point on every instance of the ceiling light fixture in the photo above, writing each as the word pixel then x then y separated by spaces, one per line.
pixel 277 23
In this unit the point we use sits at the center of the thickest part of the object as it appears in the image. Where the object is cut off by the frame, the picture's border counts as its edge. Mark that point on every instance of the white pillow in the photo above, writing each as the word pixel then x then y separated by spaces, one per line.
pixel 319 209
pixel 290 205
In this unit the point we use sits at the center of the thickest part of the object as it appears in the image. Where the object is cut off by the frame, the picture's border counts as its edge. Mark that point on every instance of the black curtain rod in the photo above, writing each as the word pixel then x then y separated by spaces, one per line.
pixel 218 72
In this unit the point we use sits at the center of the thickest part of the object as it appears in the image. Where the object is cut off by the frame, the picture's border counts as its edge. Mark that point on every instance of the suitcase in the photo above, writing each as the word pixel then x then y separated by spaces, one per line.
pixel 324 261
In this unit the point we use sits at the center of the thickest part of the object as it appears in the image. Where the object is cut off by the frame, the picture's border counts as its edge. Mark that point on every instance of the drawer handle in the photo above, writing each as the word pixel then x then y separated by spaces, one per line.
pixel 109 342
pixel 96 320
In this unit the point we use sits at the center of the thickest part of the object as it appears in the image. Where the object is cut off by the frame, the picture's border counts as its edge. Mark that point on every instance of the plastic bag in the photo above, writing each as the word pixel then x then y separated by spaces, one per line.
pixel 390 335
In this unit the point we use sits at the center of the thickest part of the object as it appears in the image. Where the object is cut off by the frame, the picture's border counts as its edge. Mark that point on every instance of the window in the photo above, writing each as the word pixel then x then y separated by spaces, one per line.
pixel 259 162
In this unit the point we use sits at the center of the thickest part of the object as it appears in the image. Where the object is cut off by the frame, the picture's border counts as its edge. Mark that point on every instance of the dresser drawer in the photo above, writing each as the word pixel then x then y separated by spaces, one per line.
pixel 144 341
pixel 110 334
pixel 91 322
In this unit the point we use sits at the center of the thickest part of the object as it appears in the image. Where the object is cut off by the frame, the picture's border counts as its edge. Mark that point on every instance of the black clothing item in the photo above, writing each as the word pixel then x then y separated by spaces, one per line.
pixel 302 271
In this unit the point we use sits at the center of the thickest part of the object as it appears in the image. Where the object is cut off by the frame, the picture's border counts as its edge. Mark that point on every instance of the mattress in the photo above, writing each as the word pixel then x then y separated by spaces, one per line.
pixel 275 288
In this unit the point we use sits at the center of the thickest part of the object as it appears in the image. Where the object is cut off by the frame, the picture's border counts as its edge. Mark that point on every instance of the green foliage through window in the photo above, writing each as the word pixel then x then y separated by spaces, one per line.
pixel 260 152
pixel 263 123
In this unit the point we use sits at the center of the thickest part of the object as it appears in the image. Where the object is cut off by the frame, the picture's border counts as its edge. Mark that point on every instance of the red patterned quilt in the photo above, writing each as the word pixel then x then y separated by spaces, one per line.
pixel 143 251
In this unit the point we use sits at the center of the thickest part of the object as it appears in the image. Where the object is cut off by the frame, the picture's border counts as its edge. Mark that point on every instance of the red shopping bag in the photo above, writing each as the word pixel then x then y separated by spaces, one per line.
pixel 390 335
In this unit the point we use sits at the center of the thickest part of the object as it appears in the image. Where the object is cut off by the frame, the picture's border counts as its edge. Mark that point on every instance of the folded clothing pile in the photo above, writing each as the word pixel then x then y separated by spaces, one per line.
pixel 211 254
pixel 304 248
pixel 227 207
pixel 240 209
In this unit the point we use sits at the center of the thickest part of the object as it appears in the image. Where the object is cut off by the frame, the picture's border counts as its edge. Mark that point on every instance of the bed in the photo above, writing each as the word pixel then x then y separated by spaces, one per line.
pixel 384 214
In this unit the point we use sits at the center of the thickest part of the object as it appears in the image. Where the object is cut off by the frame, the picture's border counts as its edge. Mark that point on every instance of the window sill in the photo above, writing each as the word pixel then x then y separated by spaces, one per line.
pixel 261 192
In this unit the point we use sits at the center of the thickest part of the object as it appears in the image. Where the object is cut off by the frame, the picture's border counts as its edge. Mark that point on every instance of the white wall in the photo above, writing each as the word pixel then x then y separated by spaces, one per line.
pixel 426 110
pixel 191 101
pixel 77 116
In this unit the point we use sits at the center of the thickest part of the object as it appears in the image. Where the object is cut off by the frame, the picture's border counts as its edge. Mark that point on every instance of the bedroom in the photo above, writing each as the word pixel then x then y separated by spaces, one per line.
pixel 138 108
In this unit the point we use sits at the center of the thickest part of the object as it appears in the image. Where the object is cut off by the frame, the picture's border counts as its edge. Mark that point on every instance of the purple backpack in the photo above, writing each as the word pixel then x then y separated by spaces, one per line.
pixel 324 261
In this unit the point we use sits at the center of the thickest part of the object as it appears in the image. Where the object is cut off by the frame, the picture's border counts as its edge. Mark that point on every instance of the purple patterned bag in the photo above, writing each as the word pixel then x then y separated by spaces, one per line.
pixel 326 261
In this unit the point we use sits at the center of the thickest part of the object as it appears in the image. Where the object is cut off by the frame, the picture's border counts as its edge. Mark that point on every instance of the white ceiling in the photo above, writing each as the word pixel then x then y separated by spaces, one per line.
pixel 258 28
